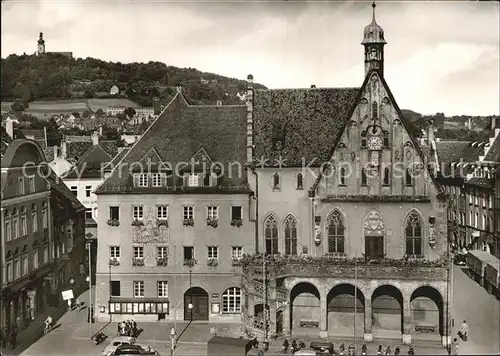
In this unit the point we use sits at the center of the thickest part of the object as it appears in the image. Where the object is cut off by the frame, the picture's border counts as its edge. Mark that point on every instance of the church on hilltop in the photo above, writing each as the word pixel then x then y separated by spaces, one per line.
pixel 327 183
pixel 40 49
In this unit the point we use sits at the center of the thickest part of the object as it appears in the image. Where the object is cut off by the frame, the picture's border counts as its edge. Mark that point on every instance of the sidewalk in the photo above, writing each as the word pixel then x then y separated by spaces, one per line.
pixel 29 335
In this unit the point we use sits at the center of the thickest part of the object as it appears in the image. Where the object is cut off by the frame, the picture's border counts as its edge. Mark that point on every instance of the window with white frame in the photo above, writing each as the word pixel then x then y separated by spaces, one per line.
pixel 88 190
pixel 142 179
pixel 88 213
pixel 24 225
pixel 162 212
pixel 477 221
pixel 34 221
pixel 138 288
pixel 483 226
pixel 162 252
pixel 114 252
pixel 74 190
pixel 188 212
pixel 138 252
pixel 471 221
pixel 52 251
pixel 21 186
pixel 213 252
pixel 162 289
pixel 17 268
pixel 35 259
pixel 31 180
pixel 138 212
pixel 157 179
pixel 212 213
pixel 15 228
pixel 10 271
pixel 193 180
pixel 45 219
pixel 236 252
pixel 8 232
pixel 25 265
pixel 231 300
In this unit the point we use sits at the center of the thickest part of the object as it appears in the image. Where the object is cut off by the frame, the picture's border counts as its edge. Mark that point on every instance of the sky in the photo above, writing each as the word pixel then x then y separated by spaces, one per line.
pixel 440 57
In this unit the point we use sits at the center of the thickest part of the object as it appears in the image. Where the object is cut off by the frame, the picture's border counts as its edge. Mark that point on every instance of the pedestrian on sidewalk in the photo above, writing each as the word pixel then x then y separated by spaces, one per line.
pixel 464 331
pixel 455 346
pixel 78 304
pixel 13 338
pixel 69 305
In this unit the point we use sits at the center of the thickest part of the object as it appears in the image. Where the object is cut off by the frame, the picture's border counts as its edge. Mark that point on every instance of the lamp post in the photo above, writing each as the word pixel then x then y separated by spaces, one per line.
pixel 172 337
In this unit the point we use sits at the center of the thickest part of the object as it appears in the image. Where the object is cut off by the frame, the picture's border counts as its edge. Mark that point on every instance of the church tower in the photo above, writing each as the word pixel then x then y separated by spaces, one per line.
pixel 40 49
pixel 373 41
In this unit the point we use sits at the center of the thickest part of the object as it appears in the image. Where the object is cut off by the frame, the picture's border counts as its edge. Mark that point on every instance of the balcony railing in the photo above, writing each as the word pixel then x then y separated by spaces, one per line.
pixel 327 266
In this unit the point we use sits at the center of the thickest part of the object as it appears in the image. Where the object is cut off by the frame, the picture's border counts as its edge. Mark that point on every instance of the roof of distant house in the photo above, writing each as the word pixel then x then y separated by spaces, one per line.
pixel 89 165
pixel 57 184
pixel 493 154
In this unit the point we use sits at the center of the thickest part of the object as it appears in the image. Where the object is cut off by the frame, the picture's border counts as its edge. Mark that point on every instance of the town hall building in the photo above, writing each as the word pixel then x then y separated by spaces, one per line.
pixel 328 183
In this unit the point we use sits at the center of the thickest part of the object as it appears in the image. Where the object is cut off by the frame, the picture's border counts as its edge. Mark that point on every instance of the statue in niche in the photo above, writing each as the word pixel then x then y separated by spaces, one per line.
pixel 374 224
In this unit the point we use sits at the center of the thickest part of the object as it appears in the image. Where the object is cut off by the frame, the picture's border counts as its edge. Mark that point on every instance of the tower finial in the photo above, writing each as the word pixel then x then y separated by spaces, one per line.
pixel 374 6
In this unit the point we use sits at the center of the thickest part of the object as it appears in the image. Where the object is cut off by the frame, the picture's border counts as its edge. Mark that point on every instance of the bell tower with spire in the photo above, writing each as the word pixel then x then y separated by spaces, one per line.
pixel 40 49
pixel 373 41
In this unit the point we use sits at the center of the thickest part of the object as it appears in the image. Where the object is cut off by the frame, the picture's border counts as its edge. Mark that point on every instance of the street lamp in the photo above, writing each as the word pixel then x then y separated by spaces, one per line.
pixel 172 337
pixel 89 281
pixel 190 307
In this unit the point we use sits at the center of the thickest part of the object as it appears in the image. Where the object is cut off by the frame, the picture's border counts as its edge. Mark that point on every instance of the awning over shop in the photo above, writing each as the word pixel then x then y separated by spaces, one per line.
pixel 478 259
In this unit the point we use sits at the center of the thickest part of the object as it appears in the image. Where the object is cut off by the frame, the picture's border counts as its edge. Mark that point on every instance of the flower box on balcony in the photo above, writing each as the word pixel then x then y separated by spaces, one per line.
pixel 162 261
pixel 190 263
pixel 188 222
pixel 237 222
pixel 213 223
pixel 212 262
pixel 236 262
pixel 137 223
pixel 114 262
pixel 138 262
pixel 162 222
pixel 113 222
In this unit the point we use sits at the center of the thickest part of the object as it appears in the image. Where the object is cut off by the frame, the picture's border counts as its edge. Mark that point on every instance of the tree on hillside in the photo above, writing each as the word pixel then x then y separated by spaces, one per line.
pixel 130 112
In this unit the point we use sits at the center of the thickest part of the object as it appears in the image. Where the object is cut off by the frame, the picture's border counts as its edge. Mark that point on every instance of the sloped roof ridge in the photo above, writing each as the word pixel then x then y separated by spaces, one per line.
pixel 91 150
pixel 176 97
pixel 312 89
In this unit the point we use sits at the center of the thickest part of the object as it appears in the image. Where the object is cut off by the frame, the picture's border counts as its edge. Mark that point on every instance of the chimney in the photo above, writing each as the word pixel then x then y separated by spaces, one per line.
pixel 100 130
pixel 219 102
pixel 469 123
pixel 249 103
pixel 56 151
pixel 493 123
pixel 64 149
pixel 313 86
pixel 9 127
pixel 430 132
pixel 95 138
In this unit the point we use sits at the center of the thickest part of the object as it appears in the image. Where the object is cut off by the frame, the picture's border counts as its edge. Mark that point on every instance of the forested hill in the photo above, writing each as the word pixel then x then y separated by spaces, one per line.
pixel 54 76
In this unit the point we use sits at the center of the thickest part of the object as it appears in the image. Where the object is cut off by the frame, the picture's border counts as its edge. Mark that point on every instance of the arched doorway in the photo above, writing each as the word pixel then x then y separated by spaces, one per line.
pixel 198 298
pixel 427 309
pixel 387 311
pixel 304 304
pixel 341 306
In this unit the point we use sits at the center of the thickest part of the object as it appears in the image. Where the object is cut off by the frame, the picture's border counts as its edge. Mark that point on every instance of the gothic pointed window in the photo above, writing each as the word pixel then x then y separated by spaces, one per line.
pixel 408 178
pixel 342 176
pixel 386 176
pixel 413 233
pixel 271 235
pixel 336 232
pixel 290 236
pixel 300 181
pixel 363 177
pixel 375 110
pixel 276 181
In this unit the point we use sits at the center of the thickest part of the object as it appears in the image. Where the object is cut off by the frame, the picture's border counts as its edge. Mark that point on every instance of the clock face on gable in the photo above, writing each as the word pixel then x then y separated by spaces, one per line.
pixel 375 143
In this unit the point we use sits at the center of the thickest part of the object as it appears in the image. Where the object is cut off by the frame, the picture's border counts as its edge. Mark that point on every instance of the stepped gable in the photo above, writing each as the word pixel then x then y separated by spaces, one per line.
pixel 180 131
pixel 299 124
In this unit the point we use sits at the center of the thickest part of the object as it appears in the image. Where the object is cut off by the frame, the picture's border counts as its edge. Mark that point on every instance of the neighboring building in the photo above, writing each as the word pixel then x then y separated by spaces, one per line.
pixel 157 223
pixel 27 248
pixel 370 225
pixel 115 110
pixel 139 112
pixel 144 113
pixel 114 90
pixel 40 48
pixel 40 136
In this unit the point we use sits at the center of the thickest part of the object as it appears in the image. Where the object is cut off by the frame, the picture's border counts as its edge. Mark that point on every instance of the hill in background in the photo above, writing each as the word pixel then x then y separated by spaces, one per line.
pixel 57 77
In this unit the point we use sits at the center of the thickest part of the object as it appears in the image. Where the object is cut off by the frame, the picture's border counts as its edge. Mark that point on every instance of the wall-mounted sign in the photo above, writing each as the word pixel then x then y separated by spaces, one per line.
pixel 215 295
pixel 67 294
pixel 215 308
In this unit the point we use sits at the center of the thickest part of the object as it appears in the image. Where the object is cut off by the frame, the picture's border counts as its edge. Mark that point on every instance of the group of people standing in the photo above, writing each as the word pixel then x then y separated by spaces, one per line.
pixel 128 328
pixel 463 334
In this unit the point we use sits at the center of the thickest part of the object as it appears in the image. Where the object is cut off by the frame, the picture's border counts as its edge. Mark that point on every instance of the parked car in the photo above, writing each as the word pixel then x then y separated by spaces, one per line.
pixel 120 341
pixel 135 350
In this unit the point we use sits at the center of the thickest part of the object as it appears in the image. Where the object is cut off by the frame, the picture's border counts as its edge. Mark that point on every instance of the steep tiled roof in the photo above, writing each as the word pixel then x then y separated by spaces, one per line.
pixel 180 131
pixel 452 151
pixel 117 159
pixel 493 154
pixel 75 150
pixel 306 121
pixel 480 182
pixel 89 165
pixel 109 147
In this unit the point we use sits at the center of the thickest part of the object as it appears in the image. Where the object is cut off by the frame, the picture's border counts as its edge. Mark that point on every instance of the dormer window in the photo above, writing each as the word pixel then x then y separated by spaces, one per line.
pixel 200 180
pixel 193 180
pixel 147 180
pixel 142 180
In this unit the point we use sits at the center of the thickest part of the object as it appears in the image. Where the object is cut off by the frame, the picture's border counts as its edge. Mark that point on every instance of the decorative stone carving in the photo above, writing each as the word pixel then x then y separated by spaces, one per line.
pixel 408 153
pixel 386 119
pixel 386 101
pixel 151 234
pixel 396 122
pixel 374 224
pixel 363 101
pixel 353 156
pixel 352 123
